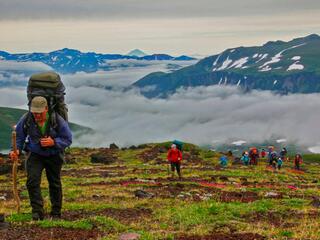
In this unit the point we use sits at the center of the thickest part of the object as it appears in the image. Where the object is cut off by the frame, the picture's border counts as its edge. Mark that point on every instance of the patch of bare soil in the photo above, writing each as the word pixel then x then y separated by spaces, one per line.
pixel 223 236
pixel 151 154
pixel 146 171
pixel 191 158
pixel 238 196
pixel 281 219
pixel 38 233
pixel 127 215
pixel 6 194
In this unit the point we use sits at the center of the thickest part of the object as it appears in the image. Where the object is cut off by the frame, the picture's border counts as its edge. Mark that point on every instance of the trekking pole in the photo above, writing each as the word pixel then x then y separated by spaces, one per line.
pixel 15 169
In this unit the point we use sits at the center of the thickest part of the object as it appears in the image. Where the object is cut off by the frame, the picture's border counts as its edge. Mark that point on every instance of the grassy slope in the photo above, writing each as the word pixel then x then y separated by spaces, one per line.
pixel 181 207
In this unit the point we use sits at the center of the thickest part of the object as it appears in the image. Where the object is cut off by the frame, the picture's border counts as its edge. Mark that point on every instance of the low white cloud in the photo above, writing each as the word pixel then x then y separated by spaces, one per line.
pixel 13 97
pixel 23 66
pixel 202 115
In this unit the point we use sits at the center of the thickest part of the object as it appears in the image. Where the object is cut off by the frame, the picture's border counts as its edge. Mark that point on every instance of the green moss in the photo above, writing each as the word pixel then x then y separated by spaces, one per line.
pixel 19 217
pixel 110 224
pixel 81 224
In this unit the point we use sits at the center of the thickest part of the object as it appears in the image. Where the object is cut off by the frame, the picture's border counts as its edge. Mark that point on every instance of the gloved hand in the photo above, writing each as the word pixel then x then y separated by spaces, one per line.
pixel 14 155
pixel 46 142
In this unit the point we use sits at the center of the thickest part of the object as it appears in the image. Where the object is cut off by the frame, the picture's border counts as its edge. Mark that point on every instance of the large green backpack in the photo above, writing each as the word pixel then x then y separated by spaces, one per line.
pixel 50 86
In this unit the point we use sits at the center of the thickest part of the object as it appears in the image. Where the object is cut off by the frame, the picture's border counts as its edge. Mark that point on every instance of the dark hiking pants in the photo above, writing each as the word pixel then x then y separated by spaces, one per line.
pixel 176 165
pixel 52 165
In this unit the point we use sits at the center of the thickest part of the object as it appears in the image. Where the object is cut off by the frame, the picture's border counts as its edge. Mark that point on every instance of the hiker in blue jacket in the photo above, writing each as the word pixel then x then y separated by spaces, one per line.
pixel 44 142
pixel 223 161
pixel 245 158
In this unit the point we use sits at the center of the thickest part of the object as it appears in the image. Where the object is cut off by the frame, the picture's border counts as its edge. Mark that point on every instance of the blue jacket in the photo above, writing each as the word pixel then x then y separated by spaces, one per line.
pixel 30 140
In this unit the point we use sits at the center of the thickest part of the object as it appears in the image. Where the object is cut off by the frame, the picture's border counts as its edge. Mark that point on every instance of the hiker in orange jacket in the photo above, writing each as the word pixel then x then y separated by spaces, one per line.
pixel 175 157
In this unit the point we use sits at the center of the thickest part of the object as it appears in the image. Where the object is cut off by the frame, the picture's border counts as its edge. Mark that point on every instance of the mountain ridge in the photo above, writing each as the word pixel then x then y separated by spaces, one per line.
pixel 284 67
pixel 69 61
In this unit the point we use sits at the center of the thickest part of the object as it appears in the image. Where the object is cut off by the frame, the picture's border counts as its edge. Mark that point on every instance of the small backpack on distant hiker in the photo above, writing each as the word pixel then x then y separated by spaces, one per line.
pixel 179 144
pixel 50 86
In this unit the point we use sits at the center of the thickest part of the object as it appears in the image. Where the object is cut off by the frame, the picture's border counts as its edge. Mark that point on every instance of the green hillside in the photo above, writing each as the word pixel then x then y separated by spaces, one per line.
pixel 132 193
pixel 10 116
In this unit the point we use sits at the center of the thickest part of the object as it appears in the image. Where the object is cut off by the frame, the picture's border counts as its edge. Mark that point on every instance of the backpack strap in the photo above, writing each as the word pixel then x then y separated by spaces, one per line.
pixel 28 118
pixel 27 122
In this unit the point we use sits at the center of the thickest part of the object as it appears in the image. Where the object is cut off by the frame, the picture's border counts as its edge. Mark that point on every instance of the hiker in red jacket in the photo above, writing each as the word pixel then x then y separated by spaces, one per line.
pixel 175 157
pixel 297 161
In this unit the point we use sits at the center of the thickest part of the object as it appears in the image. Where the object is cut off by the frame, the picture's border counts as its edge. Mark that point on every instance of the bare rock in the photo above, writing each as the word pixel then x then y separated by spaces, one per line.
pixel 129 236
pixel 103 158
pixel 113 146
pixel 143 194
pixel 315 202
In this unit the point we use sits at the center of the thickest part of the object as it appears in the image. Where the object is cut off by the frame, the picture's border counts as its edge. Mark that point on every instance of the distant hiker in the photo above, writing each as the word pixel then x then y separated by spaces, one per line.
pixel 44 141
pixel 175 157
pixel 223 161
pixel 245 158
pixel 274 159
pixel 253 155
pixel 263 153
pixel 279 163
pixel 297 161
pixel 283 154
pixel 270 151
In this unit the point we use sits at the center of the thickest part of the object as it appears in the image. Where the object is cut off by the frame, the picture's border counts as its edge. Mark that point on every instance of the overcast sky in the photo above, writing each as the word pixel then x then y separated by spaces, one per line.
pixel 176 27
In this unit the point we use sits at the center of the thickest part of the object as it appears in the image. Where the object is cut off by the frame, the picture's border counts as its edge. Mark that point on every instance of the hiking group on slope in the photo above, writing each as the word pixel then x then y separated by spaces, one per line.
pixel 273 159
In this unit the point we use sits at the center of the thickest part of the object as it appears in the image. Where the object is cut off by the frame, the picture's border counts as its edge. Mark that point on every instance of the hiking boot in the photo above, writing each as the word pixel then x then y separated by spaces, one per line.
pixel 55 216
pixel 37 216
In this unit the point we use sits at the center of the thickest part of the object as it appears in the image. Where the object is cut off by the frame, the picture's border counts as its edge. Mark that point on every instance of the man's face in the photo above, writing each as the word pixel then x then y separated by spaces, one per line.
pixel 40 117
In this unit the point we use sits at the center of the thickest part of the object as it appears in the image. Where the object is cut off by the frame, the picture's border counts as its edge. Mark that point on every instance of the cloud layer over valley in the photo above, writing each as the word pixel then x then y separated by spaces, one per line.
pixel 203 115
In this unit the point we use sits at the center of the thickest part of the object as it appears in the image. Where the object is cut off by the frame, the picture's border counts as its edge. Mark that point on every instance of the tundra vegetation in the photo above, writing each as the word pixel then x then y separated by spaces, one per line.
pixel 112 193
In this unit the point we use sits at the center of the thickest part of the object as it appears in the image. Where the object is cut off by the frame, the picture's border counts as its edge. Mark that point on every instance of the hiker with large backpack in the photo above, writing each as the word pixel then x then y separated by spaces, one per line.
pixel 43 134
pixel 174 157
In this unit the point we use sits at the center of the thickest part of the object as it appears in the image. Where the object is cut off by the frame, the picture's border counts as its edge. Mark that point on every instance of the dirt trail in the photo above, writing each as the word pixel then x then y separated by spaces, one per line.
pixel 38 233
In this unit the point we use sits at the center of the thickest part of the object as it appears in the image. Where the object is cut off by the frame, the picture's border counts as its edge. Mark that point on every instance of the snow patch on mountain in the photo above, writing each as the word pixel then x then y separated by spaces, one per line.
pixel 265 69
pixel 262 56
pixel 277 58
pixel 239 63
pixel 216 61
pixel 239 143
pixel 296 58
pixel 225 64
pixel 295 66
